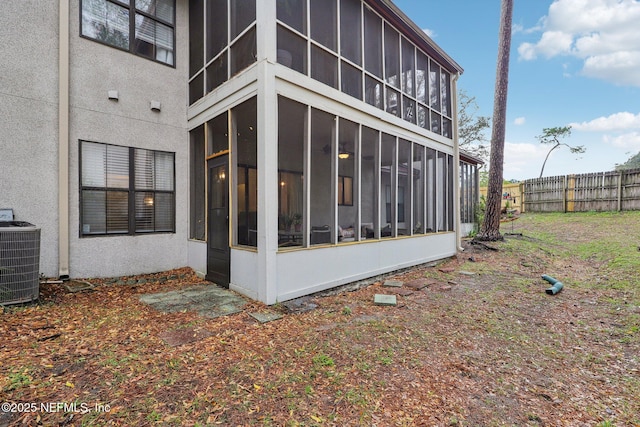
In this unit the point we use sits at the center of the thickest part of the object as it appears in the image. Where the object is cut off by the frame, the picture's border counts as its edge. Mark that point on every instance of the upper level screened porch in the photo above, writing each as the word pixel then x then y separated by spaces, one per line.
pixel 367 49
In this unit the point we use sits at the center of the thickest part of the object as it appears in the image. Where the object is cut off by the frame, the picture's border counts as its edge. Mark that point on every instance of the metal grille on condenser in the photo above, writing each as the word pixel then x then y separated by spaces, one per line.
pixel 19 262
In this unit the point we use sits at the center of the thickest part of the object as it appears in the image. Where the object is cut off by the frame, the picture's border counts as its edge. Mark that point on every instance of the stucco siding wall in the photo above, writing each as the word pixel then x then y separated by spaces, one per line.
pixel 95 70
pixel 29 120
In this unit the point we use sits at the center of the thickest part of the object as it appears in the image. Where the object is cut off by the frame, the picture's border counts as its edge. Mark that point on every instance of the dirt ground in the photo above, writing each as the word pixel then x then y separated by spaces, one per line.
pixel 473 341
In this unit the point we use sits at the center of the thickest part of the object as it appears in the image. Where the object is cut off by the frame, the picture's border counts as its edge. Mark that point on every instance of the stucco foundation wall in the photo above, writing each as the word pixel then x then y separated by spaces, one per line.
pixel 96 69
pixel 302 272
pixel 29 119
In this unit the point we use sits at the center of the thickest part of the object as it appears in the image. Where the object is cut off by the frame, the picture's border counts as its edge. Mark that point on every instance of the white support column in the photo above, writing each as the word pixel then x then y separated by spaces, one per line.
pixel 379 191
pixel 267 154
pixel 408 212
pixel 394 188
pixel 456 162
pixel 335 147
pixel 357 184
pixel 63 142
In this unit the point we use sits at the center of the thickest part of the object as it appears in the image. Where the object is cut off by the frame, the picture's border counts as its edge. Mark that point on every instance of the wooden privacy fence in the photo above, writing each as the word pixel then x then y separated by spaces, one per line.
pixel 511 195
pixel 602 191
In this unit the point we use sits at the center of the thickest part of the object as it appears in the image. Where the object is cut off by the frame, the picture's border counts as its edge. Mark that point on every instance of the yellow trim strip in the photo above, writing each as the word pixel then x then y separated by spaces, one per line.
pixel 218 154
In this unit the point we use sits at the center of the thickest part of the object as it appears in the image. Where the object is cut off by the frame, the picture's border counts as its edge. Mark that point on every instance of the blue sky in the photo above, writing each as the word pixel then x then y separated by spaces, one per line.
pixel 573 62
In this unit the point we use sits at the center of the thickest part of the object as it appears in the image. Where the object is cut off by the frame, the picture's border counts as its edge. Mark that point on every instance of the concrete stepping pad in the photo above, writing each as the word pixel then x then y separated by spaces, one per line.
pixel 393 283
pixel 266 317
pixel 417 284
pixel 206 299
pixel 78 286
pixel 380 299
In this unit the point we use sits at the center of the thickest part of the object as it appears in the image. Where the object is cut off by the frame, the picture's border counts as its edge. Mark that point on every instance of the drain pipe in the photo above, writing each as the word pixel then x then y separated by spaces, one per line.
pixel 556 285
pixel 456 152
pixel 63 142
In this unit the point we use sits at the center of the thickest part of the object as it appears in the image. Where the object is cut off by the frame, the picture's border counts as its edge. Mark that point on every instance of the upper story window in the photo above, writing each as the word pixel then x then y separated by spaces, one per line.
pixel 143 27
pixel 350 47
pixel 222 42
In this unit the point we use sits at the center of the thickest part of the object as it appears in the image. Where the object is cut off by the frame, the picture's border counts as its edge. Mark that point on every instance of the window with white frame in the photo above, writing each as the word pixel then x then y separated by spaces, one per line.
pixel 125 190
pixel 143 27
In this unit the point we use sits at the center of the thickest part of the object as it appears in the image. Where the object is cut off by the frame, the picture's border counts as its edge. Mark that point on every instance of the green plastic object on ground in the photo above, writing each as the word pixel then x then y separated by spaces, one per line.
pixel 556 285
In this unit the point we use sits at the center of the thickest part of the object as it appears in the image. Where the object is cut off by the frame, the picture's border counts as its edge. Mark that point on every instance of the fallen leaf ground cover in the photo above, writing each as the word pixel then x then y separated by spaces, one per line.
pixel 481 344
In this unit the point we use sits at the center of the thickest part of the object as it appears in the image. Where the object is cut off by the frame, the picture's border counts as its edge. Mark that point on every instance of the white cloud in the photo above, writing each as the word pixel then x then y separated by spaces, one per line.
pixel 602 33
pixel 519 121
pixel 619 67
pixel 614 122
pixel 522 158
pixel 429 32
pixel 627 141
pixel 517 28
pixel 527 51
pixel 620 131
pixel 552 43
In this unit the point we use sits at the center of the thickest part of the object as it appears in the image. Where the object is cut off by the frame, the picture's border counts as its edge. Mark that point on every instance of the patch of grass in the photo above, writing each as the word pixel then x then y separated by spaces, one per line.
pixel 355 397
pixel 323 360
pixel 385 360
pixel 385 356
pixel 154 417
pixel 618 254
pixel 290 394
pixel 18 380
pixel 173 363
pixel 364 366
pixel 116 361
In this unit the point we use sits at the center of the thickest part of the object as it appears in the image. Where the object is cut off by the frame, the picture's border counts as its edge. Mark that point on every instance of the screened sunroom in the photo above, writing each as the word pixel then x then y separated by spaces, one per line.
pixel 321 144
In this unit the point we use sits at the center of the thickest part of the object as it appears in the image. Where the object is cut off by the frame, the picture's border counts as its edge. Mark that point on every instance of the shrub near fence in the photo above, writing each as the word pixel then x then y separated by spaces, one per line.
pixel 602 191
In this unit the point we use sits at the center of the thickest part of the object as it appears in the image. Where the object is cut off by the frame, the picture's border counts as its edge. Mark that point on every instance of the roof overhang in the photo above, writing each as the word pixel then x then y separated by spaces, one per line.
pixel 468 158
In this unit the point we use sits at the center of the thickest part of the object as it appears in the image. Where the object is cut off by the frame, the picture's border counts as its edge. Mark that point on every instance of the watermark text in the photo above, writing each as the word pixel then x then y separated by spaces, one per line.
pixel 52 407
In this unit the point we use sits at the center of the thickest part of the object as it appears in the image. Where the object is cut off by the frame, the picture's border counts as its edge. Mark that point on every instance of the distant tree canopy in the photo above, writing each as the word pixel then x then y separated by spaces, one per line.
pixel 632 163
pixel 471 128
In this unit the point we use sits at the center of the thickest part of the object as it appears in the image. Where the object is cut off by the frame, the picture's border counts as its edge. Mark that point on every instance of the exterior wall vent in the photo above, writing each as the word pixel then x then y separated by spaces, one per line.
pixel 155 106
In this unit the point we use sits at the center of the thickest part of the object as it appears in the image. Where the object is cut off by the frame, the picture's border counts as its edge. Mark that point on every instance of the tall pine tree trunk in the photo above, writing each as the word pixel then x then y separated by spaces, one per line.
pixel 490 229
